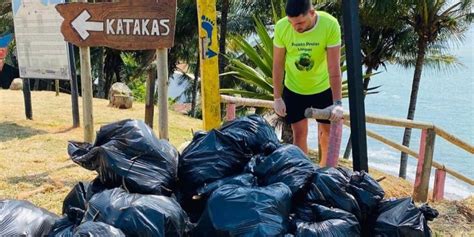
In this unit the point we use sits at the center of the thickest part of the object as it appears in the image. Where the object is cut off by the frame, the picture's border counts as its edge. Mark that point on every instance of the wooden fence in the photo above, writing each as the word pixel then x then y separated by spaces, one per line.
pixel 429 132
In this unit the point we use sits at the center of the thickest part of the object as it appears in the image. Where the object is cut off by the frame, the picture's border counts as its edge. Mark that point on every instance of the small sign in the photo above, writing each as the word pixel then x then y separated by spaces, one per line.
pixel 126 25
pixel 41 49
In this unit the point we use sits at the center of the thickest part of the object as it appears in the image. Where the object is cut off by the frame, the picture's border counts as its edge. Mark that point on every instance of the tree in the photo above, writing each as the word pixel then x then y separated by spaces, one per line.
pixel 434 22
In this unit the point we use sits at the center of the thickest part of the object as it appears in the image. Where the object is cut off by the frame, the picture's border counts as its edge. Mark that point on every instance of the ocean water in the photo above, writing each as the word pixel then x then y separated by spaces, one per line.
pixel 445 98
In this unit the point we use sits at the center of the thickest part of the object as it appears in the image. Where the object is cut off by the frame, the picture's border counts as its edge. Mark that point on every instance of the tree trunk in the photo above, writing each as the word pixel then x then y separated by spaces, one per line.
pixel 195 86
pixel 223 35
pixel 422 44
pixel 348 150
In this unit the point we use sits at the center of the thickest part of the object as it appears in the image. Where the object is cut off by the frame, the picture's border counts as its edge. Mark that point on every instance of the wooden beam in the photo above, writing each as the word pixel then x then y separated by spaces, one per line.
pixel 388 142
pixel 404 123
pixel 247 102
pixel 454 140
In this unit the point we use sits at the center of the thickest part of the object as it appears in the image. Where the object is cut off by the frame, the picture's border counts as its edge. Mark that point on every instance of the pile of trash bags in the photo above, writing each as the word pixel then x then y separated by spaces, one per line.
pixel 238 180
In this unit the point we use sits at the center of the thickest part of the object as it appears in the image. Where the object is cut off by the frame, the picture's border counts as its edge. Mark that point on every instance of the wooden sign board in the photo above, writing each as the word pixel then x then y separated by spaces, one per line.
pixel 126 25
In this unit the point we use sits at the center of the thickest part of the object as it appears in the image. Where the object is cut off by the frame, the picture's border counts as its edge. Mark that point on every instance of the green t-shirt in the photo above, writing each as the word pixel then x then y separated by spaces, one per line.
pixel 306 59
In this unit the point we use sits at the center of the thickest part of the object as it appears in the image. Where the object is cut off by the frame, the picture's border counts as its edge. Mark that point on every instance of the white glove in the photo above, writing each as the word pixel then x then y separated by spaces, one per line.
pixel 279 107
pixel 337 113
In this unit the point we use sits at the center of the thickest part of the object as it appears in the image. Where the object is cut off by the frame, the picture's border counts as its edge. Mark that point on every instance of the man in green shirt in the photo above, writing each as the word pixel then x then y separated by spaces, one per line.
pixel 307 45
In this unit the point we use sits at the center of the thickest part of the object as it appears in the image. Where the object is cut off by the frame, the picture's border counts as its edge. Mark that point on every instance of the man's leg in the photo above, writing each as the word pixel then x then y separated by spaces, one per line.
pixel 300 134
pixel 323 132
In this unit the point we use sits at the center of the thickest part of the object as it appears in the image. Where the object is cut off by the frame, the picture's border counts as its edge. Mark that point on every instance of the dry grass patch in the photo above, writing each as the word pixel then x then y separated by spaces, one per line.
pixel 34 164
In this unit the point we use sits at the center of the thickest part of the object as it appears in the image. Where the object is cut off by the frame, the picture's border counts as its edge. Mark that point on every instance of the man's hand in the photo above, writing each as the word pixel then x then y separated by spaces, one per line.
pixel 279 107
pixel 337 113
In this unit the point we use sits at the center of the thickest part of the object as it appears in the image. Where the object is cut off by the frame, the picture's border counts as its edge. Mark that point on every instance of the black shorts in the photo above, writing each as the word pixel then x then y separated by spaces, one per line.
pixel 296 104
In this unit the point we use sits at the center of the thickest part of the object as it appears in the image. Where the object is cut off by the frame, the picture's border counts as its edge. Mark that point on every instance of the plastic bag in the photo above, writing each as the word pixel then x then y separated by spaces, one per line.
pixel 233 210
pixel 400 217
pixel 127 154
pixel 210 157
pixel 287 164
pixel 63 227
pixel 21 218
pixel 247 180
pixel 136 214
pixel 74 205
pixel 97 229
pixel 327 222
pixel 368 194
pixel 329 188
pixel 251 132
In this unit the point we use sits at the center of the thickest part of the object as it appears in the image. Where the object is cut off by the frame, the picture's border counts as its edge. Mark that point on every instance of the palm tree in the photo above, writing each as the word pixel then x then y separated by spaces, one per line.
pixel 434 22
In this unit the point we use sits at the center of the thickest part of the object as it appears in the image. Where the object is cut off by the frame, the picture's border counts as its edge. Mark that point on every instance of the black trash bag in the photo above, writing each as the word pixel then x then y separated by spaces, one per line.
pixel 327 222
pixel 287 164
pixel 74 205
pixel 127 154
pixel 246 180
pixel 233 210
pixel 21 218
pixel 400 218
pixel 368 194
pixel 208 158
pixel 97 229
pixel 429 212
pixel 137 214
pixel 329 187
pixel 63 227
pixel 251 132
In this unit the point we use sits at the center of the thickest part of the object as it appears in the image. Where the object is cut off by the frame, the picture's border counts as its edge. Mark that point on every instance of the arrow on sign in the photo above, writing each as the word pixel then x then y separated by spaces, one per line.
pixel 82 26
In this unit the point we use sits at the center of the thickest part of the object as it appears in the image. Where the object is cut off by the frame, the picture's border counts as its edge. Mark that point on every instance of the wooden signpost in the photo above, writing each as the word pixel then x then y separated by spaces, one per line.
pixel 124 25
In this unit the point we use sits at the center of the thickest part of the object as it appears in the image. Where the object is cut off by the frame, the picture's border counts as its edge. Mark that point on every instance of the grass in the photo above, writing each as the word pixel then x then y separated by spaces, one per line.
pixel 34 164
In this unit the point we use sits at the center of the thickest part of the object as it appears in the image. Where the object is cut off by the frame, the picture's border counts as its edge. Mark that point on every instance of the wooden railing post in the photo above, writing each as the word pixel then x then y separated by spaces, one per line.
pixel 230 111
pixel 440 180
pixel 425 160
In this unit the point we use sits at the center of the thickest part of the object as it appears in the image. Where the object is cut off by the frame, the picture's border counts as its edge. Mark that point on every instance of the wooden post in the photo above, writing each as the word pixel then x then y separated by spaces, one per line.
pixel 86 84
pixel 149 99
pixel 162 68
pixel 230 111
pixel 27 96
pixel 425 160
pixel 209 50
pixel 438 189
pixel 74 92
pixel 56 86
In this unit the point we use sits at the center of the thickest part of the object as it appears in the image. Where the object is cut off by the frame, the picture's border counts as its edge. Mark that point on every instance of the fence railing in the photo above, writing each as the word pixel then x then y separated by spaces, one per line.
pixel 425 155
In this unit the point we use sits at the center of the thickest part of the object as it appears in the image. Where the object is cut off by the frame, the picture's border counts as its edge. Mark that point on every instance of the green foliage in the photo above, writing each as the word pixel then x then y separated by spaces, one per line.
pixel 136 83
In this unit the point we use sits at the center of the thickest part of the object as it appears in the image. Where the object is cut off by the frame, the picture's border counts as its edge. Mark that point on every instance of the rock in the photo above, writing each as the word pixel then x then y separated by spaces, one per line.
pixel 120 96
pixel 17 84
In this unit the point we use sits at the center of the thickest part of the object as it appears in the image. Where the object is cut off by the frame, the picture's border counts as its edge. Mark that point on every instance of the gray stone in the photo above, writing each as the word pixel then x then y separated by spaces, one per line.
pixel 17 84
pixel 120 96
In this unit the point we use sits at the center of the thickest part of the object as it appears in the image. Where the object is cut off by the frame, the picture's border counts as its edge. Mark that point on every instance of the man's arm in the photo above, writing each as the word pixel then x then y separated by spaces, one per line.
pixel 334 68
pixel 278 70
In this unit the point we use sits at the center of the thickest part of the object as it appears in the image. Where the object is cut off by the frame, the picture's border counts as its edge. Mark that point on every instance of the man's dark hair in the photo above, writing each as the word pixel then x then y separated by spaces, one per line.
pixel 295 8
